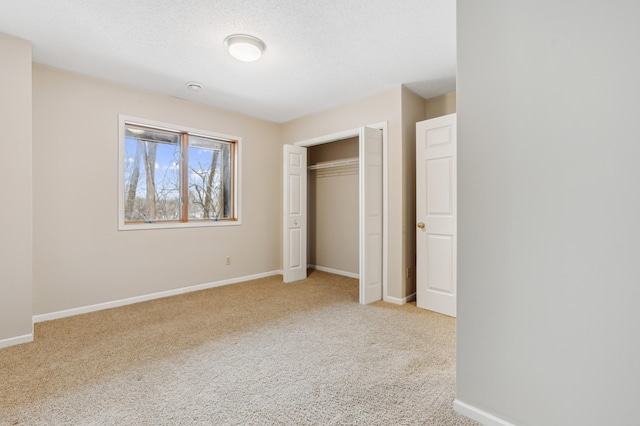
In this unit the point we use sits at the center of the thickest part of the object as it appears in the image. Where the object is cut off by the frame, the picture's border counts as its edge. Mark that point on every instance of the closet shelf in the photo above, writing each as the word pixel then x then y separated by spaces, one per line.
pixel 336 163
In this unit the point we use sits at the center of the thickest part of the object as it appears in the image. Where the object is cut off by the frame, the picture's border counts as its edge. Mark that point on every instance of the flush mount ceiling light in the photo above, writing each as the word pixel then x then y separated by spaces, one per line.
pixel 244 47
pixel 196 87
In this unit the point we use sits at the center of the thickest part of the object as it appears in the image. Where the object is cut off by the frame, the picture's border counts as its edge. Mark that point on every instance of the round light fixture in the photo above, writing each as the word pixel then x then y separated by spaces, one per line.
pixel 196 87
pixel 244 47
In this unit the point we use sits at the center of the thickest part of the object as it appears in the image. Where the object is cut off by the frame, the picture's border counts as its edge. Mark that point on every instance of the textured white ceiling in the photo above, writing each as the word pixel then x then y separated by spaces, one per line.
pixel 320 53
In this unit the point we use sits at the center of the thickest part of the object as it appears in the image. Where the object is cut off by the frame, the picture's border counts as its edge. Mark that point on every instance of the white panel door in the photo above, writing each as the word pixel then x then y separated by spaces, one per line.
pixel 436 207
pixel 370 215
pixel 294 195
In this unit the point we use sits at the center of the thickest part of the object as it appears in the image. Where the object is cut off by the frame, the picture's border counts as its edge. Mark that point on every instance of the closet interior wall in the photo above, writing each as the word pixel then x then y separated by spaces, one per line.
pixel 333 210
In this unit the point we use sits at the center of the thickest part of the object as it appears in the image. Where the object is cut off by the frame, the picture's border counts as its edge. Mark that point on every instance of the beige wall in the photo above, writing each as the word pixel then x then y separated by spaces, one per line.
pixel 346 148
pixel 334 208
pixel 382 107
pixel 15 191
pixel 440 105
pixel 413 111
pixel 80 258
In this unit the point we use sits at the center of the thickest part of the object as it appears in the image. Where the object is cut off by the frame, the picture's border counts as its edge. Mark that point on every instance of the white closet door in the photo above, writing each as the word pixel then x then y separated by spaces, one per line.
pixel 370 215
pixel 294 241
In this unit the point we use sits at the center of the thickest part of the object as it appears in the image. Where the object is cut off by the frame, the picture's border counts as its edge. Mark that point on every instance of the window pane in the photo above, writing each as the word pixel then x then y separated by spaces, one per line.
pixel 210 175
pixel 152 174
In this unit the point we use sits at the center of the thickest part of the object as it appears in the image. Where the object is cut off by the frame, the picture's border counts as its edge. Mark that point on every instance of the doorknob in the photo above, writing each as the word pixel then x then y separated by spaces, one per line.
pixel 421 225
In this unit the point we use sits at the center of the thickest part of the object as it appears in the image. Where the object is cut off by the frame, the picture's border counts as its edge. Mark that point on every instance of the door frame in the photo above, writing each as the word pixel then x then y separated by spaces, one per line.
pixel 345 134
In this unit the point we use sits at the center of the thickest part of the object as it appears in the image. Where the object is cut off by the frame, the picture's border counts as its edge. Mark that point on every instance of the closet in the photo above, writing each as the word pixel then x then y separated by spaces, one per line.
pixel 333 207
pixel 347 224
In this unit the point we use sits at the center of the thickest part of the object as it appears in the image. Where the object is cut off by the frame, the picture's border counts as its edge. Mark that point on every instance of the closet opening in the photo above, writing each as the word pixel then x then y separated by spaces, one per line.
pixel 333 207
pixel 330 212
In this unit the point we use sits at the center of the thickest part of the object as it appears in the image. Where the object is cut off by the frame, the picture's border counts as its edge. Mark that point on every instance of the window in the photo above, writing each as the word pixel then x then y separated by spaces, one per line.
pixel 175 177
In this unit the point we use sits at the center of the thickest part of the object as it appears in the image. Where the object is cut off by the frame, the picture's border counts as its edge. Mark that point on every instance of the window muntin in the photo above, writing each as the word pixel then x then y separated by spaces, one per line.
pixel 176 177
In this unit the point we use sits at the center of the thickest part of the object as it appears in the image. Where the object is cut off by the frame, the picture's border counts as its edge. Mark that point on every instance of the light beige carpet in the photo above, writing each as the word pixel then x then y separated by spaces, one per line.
pixel 255 353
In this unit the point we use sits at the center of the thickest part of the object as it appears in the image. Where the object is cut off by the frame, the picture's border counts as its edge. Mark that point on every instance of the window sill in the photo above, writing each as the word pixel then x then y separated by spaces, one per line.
pixel 174 225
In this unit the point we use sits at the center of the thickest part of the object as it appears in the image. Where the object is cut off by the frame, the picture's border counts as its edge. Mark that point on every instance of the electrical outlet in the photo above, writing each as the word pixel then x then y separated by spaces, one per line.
pixel 409 272
pixel 227 261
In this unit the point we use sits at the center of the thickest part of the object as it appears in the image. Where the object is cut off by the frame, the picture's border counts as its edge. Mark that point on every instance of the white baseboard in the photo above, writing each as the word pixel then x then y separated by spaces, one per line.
pixel 398 301
pixel 12 341
pixel 334 271
pixel 479 415
pixel 147 297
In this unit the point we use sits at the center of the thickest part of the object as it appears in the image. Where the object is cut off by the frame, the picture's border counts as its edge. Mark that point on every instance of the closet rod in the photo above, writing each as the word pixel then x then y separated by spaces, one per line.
pixel 336 163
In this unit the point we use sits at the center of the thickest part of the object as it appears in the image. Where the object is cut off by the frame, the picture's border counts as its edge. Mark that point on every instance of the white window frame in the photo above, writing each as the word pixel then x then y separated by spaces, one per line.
pixel 237 187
